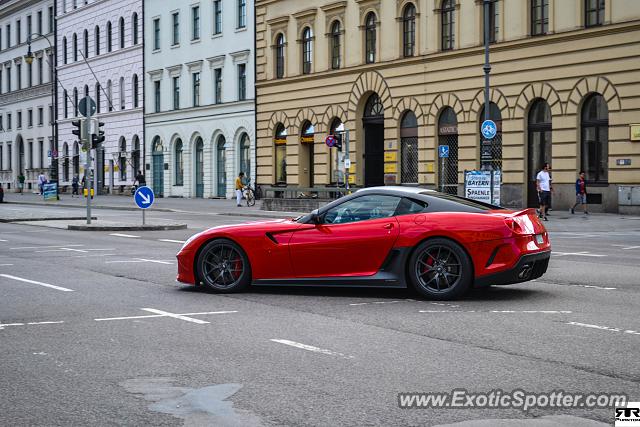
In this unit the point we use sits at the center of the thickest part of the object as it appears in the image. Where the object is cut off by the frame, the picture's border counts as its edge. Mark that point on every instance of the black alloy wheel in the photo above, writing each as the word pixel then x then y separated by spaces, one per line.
pixel 223 266
pixel 440 269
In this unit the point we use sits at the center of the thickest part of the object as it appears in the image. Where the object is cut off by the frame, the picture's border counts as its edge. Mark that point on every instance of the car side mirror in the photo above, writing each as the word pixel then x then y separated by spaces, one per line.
pixel 316 218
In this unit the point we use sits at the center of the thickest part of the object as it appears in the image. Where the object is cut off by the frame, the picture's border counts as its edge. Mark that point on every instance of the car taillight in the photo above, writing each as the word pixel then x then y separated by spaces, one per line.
pixel 514 225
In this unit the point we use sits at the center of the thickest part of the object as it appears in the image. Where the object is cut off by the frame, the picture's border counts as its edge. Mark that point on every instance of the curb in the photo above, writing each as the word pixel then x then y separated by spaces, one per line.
pixel 127 227
pixel 54 218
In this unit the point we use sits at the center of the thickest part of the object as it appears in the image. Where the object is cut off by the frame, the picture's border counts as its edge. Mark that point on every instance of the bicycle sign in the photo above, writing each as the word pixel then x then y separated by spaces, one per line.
pixel 489 129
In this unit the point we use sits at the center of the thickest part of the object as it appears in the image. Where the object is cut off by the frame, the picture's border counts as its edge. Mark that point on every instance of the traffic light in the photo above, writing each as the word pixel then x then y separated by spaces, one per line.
pixel 338 137
pixel 98 137
pixel 77 128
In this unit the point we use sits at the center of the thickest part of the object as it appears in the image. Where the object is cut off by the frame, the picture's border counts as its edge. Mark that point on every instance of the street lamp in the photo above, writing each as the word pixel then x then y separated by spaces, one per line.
pixel 53 172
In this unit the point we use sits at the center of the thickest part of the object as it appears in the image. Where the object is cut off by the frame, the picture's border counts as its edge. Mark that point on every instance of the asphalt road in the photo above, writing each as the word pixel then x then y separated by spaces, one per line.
pixel 94 330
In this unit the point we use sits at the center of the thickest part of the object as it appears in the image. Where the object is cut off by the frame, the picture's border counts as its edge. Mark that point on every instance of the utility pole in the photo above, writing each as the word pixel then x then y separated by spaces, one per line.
pixel 86 142
pixel 487 64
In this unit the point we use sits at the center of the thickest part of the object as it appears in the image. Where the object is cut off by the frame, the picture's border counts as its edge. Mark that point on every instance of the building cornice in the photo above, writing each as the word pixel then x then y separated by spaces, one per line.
pixel 339 5
pixel 307 13
pixel 43 90
pixel 216 61
pixel 100 57
pixel 240 56
pixel 281 20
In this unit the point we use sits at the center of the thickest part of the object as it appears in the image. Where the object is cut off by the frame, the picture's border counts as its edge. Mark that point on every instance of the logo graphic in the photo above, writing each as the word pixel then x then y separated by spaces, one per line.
pixel 629 416
pixel 443 151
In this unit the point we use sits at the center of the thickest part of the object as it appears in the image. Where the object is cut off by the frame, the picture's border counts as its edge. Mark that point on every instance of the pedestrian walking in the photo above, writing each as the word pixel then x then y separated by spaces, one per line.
pixel 1 194
pixel 20 183
pixel 42 180
pixel 239 188
pixel 543 184
pixel 581 194
pixel 74 186
pixel 140 179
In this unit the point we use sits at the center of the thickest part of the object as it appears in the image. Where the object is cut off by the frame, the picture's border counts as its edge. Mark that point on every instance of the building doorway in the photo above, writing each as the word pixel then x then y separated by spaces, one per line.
pixel 199 172
pixel 373 124
pixel 448 166
pixel 306 155
pixel 539 147
pixel 221 164
pixel 158 167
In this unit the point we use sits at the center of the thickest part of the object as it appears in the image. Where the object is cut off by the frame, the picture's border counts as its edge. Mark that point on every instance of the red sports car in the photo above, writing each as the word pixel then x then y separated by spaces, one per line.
pixel 388 237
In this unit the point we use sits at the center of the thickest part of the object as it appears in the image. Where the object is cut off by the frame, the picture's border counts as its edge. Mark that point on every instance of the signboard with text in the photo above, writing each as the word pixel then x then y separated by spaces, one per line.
pixel 477 186
pixel 50 191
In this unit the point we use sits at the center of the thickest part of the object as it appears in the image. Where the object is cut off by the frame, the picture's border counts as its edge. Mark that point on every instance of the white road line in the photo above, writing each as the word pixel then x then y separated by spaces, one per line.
pixel 626 247
pixel 604 328
pixel 156 261
pixel 172 241
pixel 310 348
pixel 581 253
pixel 2 325
pixel 500 311
pixel 20 279
pixel 603 288
pixel 45 247
pixel 89 256
pixel 175 316
pixel 2 240
pixel 124 261
pixel 5 265
pixel 124 235
pixel 139 260
pixel 162 315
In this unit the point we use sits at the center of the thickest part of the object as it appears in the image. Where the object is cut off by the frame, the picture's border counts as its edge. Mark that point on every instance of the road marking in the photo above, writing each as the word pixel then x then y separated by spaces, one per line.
pixel 124 235
pixel 2 325
pixel 45 247
pixel 5 265
pixel 311 348
pixel 139 260
pixel 47 285
pixel 604 288
pixel 581 253
pixel 604 328
pixel 163 315
pixel 156 261
pixel 2 240
pixel 625 247
pixel 96 255
pixel 172 241
pixel 500 311
pixel 176 316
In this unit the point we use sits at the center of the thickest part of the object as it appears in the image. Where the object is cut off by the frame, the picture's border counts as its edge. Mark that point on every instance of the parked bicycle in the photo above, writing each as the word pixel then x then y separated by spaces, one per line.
pixel 249 195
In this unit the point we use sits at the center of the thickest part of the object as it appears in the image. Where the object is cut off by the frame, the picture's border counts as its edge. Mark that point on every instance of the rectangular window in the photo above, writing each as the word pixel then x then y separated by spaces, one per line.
pixel 66 104
pixel 40 29
pixel 8 79
pixel 539 17
pixel 18 32
pixel 494 24
pixel 40 71
pixel 218 85
pixel 19 75
pixel 176 28
pixel 156 91
pixel 50 114
pixel 242 82
pixel 593 13
pixel 156 34
pixel 29 74
pixel 176 93
pixel 242 13
pixel 217 17
pixel 40 116
pixel 19 120
pixel 196 89
pixel 29 27
pixel 51 18
pixel 29 118
pixel 9 121
pixel 1 84
pixel 195 22
pixel 8 36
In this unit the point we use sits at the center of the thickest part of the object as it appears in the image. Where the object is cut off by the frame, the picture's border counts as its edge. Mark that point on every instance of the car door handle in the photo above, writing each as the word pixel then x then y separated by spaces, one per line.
pixel 387 226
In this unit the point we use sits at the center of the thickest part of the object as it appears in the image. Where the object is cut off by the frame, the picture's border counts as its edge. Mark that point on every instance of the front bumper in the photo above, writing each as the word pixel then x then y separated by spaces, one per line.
pixel 528 267
pixel 185 268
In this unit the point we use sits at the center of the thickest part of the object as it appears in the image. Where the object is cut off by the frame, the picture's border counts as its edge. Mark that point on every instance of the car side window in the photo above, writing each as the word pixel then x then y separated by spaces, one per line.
pixel 363 208
pixel 410 206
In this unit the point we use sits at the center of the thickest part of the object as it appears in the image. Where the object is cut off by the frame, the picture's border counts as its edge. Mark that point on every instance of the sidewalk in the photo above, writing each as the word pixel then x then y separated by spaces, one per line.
pixel 218 206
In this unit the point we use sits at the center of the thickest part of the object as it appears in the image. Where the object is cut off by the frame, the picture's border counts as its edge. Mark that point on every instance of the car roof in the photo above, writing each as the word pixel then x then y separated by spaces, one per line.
pixel 395 189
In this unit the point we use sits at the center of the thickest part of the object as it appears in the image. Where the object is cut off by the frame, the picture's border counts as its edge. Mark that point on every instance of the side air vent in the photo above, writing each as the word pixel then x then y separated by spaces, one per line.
pixel 273 239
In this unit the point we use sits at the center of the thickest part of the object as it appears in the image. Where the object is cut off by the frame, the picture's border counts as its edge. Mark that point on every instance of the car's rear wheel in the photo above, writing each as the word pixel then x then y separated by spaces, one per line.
pixel 222 266
pixel 440 269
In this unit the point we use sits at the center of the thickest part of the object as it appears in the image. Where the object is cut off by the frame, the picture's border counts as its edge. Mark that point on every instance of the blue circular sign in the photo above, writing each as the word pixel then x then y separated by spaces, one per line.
pixel 489 129
pixel 144 197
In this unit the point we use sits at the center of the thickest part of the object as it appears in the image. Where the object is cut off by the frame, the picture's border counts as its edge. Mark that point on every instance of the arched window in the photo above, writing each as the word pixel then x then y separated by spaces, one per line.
pixel 134 28
pixel 495 148
pixel 65 100
pixel 221 165
pixel 307 50
pixel 65 162
pixel 336 45
pixel 86 44
pixel 122 99
pixel 280 143
pixel 64 50
pixel 448 166
pixel 373 108
pixel 539 145
pixel 109 37
pixel 121 25
pixel 134 90
pixel 448 13
pixel 96 36
pixel 593 12
pixel 135 155
pixel 109 96
pixel 245 159
pixel 594 147
pixel 122 163
pixel 178 163
pixel 86 90
pixel 370 38
pixel 280 56
pixel 98 90
pixel 409 30
pixel 75 102
pixel 75 47
pixel 76 158
pixel 409 148
pixel 336 157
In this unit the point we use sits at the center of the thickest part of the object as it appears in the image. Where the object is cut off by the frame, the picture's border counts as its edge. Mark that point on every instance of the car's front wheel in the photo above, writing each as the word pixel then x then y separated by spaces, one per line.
pixel 440 269
pixel 222 266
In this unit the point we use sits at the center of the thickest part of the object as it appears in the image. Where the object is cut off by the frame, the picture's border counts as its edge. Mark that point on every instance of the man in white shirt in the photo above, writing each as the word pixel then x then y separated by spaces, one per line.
pixel 543 184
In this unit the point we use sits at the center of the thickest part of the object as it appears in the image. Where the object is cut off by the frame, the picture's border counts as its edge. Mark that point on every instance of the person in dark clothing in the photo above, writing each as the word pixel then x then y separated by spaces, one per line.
pixel 1 194
pixel 74 186
pixel 581 194
pixel 140 179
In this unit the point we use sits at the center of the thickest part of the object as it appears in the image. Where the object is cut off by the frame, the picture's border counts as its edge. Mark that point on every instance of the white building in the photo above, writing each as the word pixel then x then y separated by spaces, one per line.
pixel 100 54
pixel 199 81
pixel 25 91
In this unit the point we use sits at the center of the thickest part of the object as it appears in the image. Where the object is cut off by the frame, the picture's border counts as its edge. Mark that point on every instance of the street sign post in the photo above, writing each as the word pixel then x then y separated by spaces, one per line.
pixel 87 106
pixel 144 199
pixel 489 129
pixel 330 141
pixel 443 153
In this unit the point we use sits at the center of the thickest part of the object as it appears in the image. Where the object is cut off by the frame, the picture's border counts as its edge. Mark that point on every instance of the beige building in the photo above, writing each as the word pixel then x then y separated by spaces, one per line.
pixel 405 76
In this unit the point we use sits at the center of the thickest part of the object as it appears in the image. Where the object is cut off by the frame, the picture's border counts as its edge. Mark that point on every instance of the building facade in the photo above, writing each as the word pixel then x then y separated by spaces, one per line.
pixel 199 81
pixel 100 54
pixel 405 76
pixel 26 97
